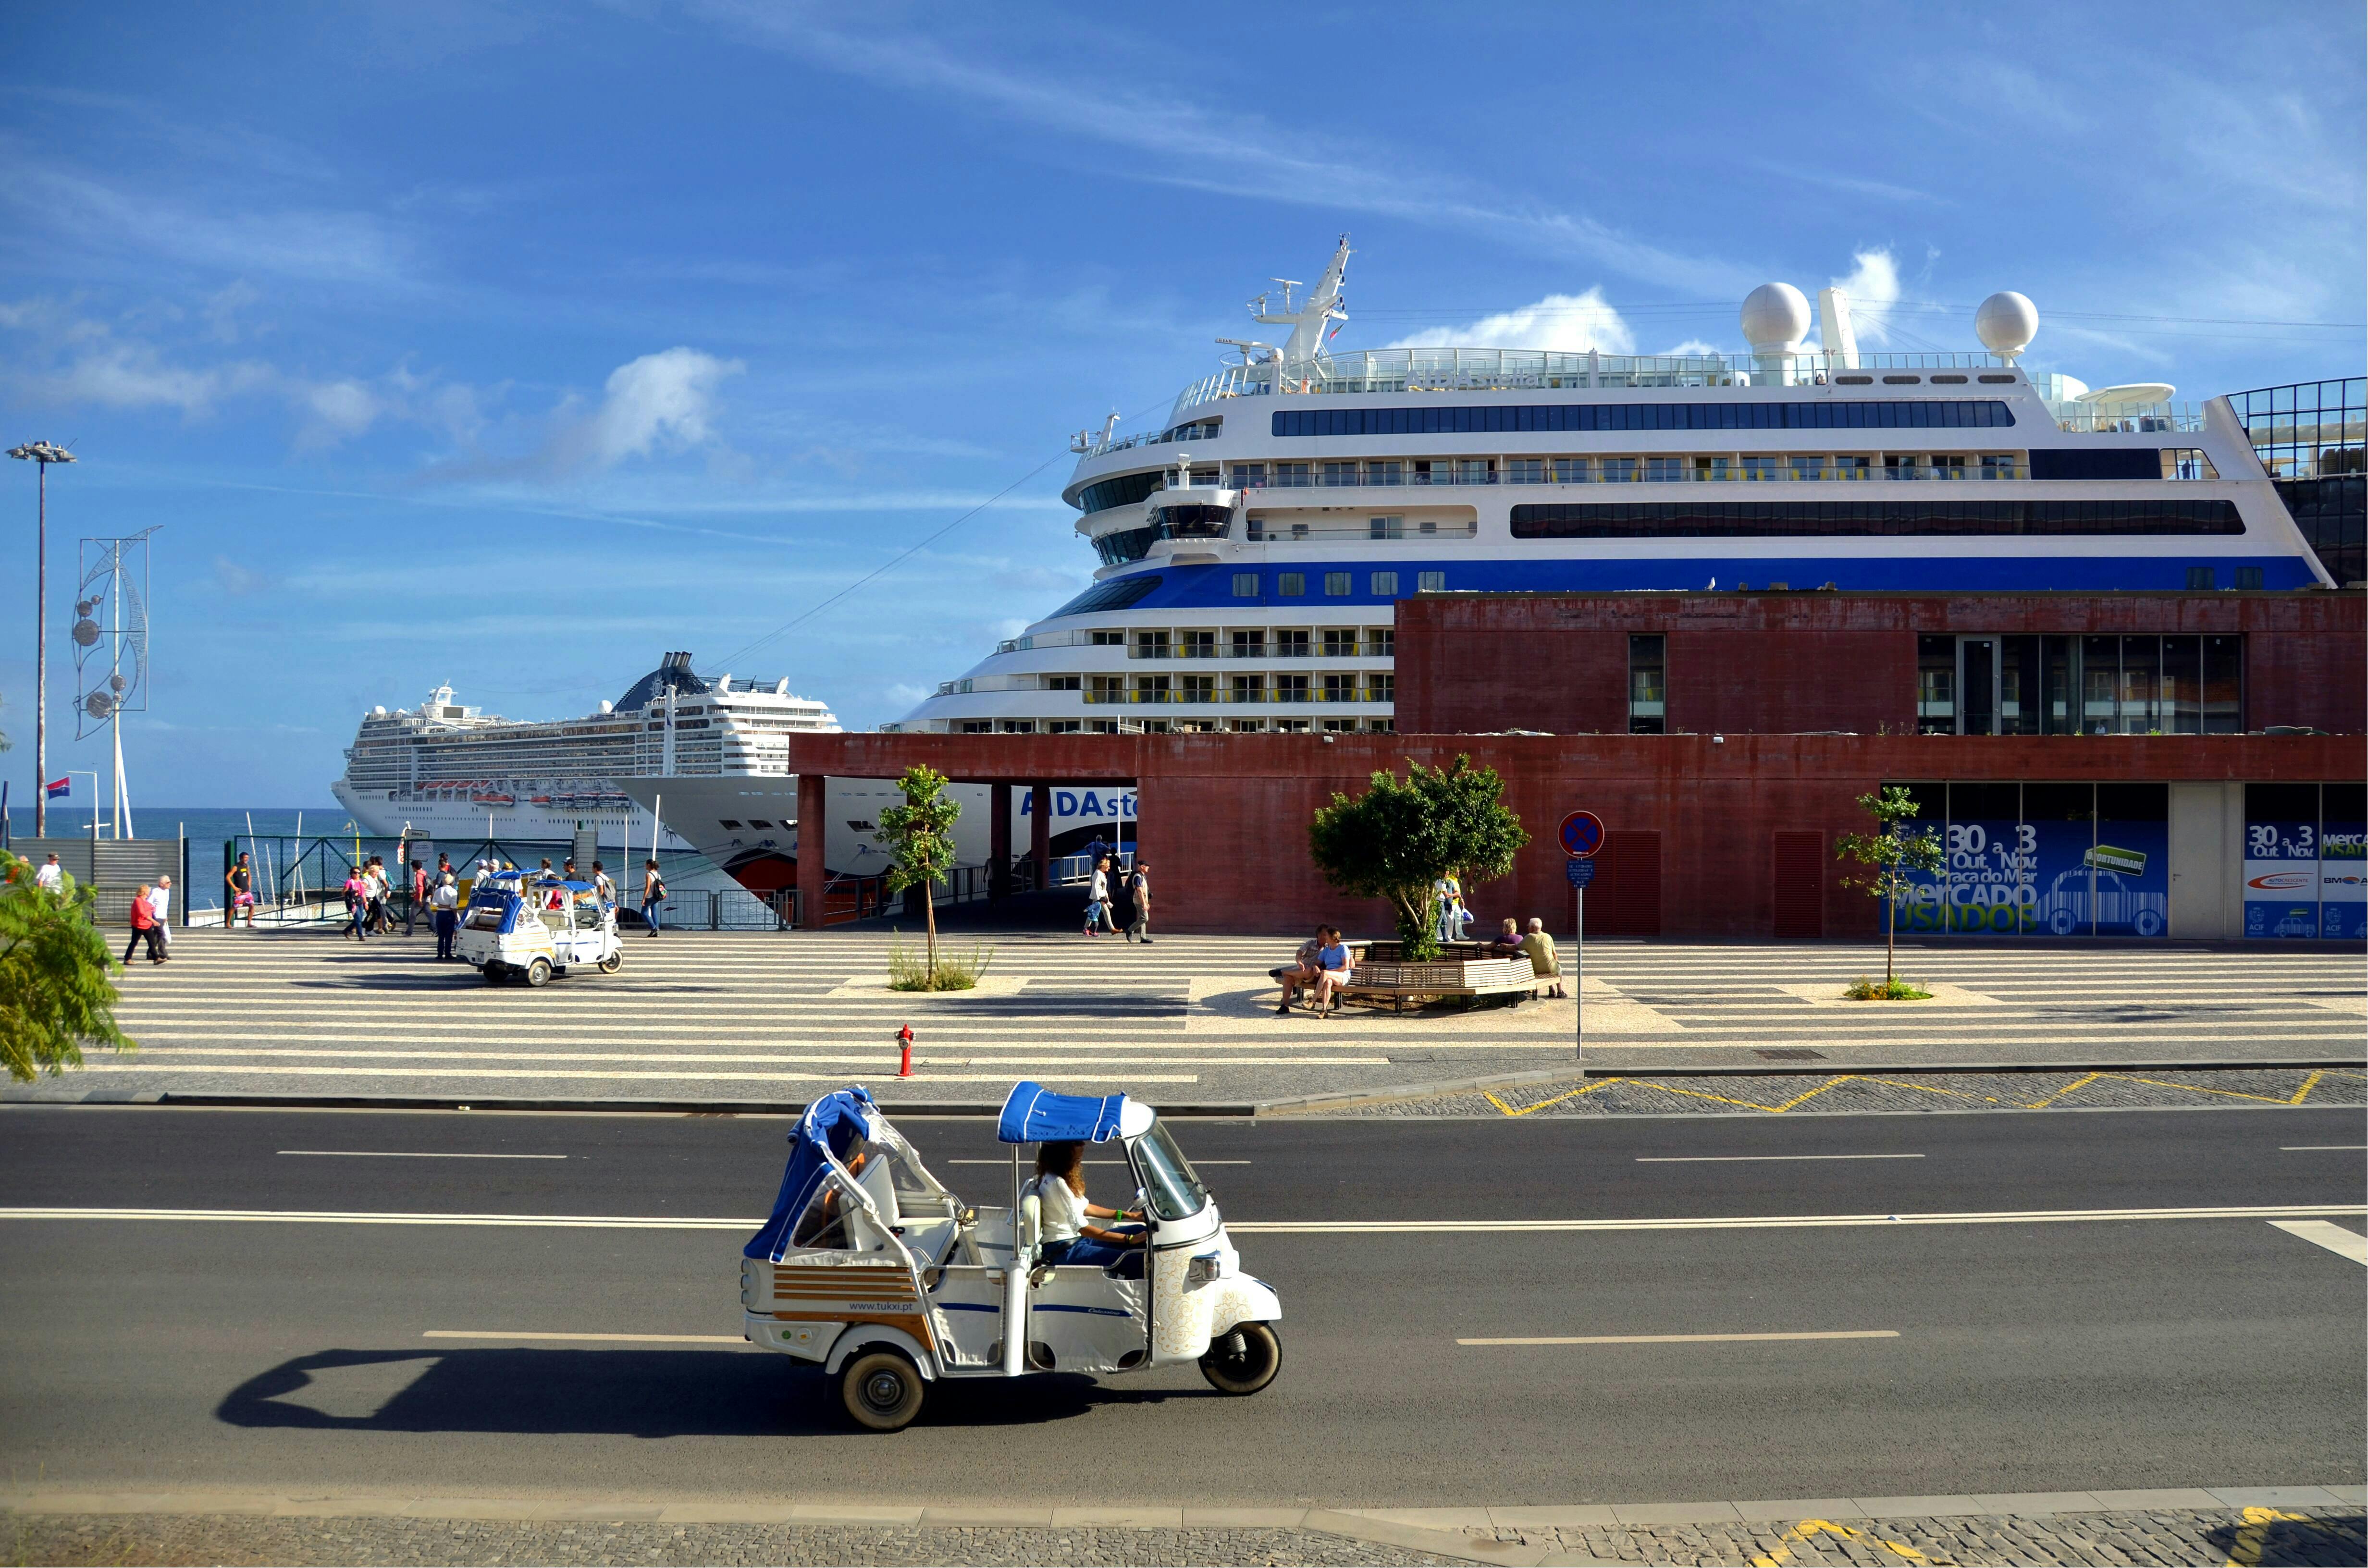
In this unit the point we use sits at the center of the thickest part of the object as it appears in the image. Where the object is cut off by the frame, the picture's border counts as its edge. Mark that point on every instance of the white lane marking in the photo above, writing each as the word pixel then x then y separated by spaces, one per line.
pixel 253 1071
pixel 1754 1159
pixel 2334 1238
pixel 407 1154
pixel 609 1338
pixel 2314 1148
pixel 1246 1227
pixel 1688 1338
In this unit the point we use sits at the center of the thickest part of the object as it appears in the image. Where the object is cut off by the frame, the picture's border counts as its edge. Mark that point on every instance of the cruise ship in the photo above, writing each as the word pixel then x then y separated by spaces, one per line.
pixel 1252 549
pixel 449 771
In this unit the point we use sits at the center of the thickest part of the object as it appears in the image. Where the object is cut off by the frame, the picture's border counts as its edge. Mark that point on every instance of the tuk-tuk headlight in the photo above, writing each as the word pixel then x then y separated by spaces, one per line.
pixel 1203 1270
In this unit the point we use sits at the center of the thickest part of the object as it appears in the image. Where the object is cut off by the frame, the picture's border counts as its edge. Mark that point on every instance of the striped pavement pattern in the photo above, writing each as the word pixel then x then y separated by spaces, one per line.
pixel 778 1018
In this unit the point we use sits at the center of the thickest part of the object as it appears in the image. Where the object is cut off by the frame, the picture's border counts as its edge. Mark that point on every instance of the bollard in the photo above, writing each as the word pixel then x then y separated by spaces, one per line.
pixel 904 1051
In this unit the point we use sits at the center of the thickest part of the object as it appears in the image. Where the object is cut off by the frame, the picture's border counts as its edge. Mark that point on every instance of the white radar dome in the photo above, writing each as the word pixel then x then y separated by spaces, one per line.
pixel 2006 323
pixel 1775 317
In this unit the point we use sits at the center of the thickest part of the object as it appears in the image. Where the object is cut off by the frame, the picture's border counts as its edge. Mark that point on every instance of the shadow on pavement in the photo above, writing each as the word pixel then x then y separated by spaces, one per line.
pixel 638 1393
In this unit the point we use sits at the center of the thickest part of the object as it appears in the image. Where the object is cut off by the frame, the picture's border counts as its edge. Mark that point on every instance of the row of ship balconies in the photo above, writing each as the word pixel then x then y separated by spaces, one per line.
pixel 1744 468
pixel 1348 685
pixel 1329 642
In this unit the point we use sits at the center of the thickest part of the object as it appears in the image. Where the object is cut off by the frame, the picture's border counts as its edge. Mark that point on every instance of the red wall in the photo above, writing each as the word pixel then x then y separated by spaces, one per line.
pixel 1225 817
pixel 1787 664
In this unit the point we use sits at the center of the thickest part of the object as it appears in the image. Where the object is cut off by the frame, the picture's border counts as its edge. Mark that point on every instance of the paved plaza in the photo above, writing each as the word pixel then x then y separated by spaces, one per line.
pixel 772 1019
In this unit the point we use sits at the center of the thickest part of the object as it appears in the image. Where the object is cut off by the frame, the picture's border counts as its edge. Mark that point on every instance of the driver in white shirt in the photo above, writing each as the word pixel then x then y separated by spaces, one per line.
pixel 1068 1234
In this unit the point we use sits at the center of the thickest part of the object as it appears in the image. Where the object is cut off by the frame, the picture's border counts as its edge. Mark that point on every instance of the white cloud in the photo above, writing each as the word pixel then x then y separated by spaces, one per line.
pixel 1873 288
pixel 1570 323
pixel 1690 347
pixel 905 694
pixel 659 401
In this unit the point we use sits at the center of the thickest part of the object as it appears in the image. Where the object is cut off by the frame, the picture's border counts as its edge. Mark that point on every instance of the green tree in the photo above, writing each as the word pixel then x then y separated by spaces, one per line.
pixel 1401 836
pixel 54 967
pixel 920 838
pixel 1891 855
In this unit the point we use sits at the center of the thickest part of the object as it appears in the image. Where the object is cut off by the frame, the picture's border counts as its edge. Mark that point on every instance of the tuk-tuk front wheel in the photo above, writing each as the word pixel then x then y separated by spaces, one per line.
pixel 612 964
pixel 881 1391
pixel 538 972
pixel 1242 1360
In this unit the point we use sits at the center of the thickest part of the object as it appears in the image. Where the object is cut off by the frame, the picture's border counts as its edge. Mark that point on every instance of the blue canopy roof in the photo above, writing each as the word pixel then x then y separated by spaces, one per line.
pixel 1034 1114
pixel 834 1122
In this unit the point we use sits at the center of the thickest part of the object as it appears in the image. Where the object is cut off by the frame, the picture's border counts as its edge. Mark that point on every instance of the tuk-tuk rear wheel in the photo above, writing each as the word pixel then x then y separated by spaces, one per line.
pixel 1242 1360
pixel 495 972
pixel 881 1391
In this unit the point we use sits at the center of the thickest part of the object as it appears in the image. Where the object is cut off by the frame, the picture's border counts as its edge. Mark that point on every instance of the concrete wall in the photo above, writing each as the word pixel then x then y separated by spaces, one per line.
pixel 1790 663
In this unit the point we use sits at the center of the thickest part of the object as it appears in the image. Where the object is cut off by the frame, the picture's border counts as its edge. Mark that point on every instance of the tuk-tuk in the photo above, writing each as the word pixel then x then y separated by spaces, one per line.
pixel 870 1267
pixel 532 928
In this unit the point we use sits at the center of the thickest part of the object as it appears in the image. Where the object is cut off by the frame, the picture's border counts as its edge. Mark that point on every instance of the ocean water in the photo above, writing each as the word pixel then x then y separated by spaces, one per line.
pixel 274 843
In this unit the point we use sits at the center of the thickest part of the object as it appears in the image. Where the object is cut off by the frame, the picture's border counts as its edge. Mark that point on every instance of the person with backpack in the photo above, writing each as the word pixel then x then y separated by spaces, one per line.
pixel 1138 892
pixel 653 895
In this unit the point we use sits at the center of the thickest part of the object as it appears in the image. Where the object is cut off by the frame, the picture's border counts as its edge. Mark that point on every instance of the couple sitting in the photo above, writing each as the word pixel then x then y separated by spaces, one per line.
pixel 1322 963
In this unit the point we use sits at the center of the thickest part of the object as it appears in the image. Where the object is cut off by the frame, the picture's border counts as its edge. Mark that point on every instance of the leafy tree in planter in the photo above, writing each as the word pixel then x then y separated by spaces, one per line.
pixel 920 838
pixel 54 967
pixel 1401 836
pixel 1891 855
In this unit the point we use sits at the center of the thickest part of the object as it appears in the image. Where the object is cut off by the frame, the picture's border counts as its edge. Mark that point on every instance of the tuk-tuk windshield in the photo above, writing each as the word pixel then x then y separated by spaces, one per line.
pixel 1169 1183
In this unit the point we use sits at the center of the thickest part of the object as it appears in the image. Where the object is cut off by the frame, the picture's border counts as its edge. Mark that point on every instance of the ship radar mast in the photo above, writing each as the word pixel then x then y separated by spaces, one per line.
pixel 1308 322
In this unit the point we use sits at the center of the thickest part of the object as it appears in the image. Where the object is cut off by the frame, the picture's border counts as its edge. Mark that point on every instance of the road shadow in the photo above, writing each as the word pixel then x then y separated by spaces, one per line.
pixel 636 1393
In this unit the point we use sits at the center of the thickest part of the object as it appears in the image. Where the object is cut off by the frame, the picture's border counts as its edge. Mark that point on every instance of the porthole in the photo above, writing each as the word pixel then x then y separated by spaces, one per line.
pixel 1901 381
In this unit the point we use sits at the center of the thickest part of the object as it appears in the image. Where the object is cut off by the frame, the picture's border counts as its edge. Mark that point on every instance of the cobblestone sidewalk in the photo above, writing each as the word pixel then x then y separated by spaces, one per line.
pixel 1804 1094
pixel 70 1538
pixel 2246 1537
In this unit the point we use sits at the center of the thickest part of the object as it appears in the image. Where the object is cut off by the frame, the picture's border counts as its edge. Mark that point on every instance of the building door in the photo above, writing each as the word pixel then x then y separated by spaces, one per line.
pixel 1977 680
pixel 1800 884
pixel 1626 899
pixel 2201 860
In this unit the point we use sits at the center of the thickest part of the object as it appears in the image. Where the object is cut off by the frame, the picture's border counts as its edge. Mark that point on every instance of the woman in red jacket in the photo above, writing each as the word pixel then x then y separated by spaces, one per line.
pixel 143 925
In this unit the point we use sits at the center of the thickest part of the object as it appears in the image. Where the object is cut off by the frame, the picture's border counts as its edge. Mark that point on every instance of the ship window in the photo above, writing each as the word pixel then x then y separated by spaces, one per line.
pixel 1385 584
pixel 1335 585
pixel 1118 593
pixel 1246 585
pixel 759 822
pixel 1779 520
pixel 2248 577
pixel 1896 414
pixel 1291 584
pixel 1123 491
pixel 1386 528
pixel 1061 683
pixel 730 823
pixel 1430 582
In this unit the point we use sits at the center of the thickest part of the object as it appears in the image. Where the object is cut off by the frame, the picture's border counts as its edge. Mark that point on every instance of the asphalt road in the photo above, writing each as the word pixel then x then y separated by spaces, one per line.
pixel 2029 1355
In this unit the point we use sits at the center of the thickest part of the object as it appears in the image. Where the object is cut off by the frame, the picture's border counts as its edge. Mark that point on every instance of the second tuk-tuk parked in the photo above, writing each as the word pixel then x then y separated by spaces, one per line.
pixel 870 1268
pixel 517 927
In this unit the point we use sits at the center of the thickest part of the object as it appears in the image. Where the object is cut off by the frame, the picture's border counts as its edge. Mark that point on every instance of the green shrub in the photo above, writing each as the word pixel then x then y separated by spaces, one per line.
pixel 1896 989
pixel 909 970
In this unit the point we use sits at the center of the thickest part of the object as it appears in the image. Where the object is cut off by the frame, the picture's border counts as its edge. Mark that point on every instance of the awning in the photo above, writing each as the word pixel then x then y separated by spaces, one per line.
pixel 1034 1114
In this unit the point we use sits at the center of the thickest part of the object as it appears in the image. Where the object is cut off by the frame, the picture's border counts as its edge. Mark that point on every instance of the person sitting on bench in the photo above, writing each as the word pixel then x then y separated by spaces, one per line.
pixel 1302 970
pixel 1332 964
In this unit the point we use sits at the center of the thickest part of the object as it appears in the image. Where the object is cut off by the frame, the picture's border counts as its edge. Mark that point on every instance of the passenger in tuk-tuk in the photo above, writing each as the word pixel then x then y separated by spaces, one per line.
pixel 1065 1215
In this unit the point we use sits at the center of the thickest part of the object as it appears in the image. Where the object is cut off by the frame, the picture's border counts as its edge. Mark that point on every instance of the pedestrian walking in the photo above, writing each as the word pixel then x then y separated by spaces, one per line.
pixel 418 900
pixel 374 887
pixel 144 926
pixel 357 904
pixel 160 901
pixel 603 888
pixel 1138 892
pixel 653 895
pixel 240 880
pixel 568 871
pixel 445 903
pixel 51 877
pixel 1097 899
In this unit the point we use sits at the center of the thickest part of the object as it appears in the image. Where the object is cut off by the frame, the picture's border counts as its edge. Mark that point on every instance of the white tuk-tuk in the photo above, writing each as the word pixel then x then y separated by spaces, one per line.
pixel 534 928
pixel 871 1268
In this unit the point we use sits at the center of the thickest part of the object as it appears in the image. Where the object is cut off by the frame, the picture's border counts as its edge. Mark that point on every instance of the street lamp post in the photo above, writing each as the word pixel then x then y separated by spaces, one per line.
pixel 44 453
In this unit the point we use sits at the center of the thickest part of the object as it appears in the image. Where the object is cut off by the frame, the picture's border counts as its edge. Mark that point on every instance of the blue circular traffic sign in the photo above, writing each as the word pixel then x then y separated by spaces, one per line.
pixel 1581 835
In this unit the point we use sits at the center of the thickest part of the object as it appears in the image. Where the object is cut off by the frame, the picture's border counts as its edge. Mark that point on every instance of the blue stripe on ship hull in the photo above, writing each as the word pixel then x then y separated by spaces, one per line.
pixel 1211 587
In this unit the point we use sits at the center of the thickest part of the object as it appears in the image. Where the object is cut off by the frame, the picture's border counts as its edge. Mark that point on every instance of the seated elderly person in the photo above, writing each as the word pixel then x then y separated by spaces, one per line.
pixel 1302 970
pixel 1508 940
pixel 1544 959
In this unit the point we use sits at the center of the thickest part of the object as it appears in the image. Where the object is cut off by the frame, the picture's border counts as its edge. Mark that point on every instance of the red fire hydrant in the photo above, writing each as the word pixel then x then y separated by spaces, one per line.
pixel 904 1051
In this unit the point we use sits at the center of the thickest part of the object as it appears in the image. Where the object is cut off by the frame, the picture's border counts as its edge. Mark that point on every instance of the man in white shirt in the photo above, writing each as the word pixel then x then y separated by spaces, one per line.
pixel 160 901
pixel 52 876
pixel 445 902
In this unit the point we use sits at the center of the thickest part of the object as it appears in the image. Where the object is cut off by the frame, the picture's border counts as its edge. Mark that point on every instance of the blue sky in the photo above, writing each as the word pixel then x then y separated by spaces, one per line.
pixel 512 345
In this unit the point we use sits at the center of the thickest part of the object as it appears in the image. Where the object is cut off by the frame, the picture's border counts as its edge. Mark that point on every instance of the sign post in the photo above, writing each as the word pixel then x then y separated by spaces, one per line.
pixel 1581 835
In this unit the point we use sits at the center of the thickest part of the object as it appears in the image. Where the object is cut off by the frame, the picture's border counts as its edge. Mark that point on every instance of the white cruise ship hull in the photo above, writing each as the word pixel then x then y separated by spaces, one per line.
pixel 622 826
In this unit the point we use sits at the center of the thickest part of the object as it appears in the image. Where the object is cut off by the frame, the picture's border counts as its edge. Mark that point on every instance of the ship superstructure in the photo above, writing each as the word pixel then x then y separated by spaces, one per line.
pixel 448 770
pixel 1252 549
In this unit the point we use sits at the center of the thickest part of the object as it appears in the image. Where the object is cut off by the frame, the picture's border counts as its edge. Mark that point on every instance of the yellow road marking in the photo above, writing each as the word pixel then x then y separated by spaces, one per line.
pixel 1803 1531
pixel 2246 1551
pixel 1841 1078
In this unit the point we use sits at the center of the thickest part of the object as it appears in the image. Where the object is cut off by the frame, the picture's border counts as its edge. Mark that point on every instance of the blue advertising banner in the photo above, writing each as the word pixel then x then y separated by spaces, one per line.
pixel 2061 877
pixel 1924 907
pixel 2342 875
pixel 2282 878
pixel 1989 885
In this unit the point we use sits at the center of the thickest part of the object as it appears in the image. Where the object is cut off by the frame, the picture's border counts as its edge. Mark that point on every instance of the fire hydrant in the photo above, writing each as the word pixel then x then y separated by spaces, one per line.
pixel 904 1051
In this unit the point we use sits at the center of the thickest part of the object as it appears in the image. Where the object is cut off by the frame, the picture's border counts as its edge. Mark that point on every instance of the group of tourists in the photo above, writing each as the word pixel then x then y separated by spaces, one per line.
pixel 1099 900
pixel 1324 963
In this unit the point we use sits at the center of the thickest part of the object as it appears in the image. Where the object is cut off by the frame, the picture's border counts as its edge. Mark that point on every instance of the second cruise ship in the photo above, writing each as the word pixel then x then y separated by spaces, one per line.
pixel 1252 548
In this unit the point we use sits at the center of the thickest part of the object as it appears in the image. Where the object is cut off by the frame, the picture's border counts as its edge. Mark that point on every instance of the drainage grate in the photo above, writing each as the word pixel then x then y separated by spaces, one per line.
pixel 1792 1053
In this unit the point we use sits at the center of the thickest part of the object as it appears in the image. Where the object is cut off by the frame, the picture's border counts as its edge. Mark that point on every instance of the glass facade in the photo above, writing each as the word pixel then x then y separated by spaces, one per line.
pixel 2313 437
pixel 2043 860
pixel 2013 685
pixel 1923 413
pixel 2305 853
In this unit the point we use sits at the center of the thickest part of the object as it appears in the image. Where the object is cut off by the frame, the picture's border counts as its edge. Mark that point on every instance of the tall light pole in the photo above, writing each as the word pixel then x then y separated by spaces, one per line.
pixel 44 453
